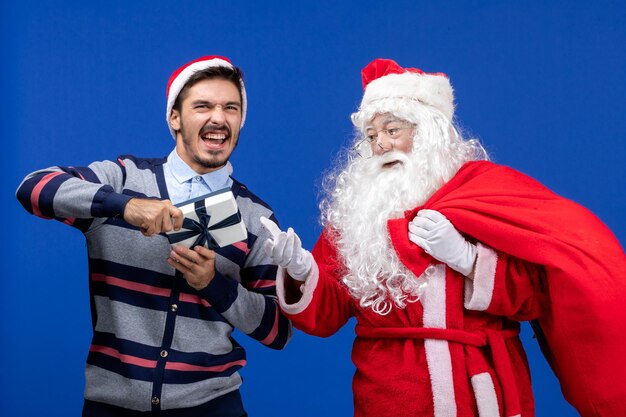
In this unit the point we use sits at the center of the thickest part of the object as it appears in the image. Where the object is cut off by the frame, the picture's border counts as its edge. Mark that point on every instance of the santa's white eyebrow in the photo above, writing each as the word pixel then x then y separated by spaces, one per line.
pixel 388 120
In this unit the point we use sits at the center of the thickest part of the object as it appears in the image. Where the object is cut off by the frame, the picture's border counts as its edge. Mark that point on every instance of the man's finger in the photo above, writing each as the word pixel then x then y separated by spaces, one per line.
pixel 147 229
pixel 185 260
pixel 270 226
pixel 205 252
pixel 176 264
pixel 177 222
pixel 166 224
pixel 177 218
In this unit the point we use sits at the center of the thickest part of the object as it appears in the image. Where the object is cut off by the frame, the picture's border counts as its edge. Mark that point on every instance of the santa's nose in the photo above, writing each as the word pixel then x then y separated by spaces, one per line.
pixel 382 145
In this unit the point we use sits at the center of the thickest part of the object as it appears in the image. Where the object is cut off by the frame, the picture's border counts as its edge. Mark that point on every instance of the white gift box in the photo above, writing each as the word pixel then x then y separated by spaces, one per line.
pixel 212 220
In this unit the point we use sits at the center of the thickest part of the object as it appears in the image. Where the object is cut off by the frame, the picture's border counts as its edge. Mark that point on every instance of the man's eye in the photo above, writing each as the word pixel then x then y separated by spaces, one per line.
pixel 393 131
pixel 232 108
pixel 370 138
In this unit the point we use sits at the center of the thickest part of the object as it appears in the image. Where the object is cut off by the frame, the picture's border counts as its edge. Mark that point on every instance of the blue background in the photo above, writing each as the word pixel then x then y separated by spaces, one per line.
pixel 540 83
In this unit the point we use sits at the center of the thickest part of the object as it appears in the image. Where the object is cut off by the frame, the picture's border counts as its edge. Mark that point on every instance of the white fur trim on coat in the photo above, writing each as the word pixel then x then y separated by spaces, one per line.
pixel 479 291
pixel 307 290
pixel 438 351
pixel 485 394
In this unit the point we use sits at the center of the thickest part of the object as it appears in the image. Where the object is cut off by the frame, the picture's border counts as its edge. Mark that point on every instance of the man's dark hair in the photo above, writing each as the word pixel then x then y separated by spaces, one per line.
pixel 234 75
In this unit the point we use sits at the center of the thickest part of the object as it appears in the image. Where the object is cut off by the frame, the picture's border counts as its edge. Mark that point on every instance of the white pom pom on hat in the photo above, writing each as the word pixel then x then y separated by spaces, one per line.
pixel 179 78
pixel 385 79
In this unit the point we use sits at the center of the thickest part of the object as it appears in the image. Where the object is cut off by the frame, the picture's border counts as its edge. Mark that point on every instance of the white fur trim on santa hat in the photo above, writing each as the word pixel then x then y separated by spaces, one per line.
pixel 430 89
pixel 181 79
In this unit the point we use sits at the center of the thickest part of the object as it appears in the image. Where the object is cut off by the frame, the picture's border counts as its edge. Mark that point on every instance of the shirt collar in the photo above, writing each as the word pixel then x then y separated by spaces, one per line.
pixel 216 180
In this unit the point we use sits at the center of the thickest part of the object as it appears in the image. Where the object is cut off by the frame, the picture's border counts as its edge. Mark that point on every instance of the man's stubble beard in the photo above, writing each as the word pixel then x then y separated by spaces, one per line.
pixel 214 163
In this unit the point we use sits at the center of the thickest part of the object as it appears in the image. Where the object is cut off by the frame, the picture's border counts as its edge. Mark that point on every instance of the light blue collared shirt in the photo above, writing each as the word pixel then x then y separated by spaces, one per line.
pixel 183 183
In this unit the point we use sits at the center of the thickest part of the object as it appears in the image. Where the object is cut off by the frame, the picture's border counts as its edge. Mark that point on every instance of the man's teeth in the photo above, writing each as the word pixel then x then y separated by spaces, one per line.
pixel 213 136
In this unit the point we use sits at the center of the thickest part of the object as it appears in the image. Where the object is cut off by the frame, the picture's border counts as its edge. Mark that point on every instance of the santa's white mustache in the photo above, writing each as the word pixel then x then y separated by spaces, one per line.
pixel 378 163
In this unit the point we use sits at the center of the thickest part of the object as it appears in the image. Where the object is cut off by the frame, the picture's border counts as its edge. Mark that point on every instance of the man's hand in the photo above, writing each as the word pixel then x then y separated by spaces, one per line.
pixel 285 249
pixel 197 265
pixel 153 216
pixel 433 232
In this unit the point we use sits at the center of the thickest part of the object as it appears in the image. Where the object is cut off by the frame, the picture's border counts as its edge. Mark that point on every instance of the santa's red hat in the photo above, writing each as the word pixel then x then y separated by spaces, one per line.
pixel 385 79
pixel 180 77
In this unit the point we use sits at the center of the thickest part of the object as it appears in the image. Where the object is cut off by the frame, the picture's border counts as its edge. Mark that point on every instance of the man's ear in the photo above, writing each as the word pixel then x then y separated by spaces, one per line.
pixel 175 120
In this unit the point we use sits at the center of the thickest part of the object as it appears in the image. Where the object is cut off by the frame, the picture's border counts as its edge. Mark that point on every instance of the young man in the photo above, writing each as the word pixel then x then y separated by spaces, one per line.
pixel 163 318
pixel 439 254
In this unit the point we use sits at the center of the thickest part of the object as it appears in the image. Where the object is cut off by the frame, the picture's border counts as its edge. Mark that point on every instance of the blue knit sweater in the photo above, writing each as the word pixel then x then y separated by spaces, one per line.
pixel 158 344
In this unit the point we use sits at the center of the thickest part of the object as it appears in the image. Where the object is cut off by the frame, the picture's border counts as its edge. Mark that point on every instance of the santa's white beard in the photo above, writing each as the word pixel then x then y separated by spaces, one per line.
pixel 366 195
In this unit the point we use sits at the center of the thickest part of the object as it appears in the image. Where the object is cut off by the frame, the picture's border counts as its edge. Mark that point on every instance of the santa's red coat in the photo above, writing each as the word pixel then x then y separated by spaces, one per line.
pixel 585 325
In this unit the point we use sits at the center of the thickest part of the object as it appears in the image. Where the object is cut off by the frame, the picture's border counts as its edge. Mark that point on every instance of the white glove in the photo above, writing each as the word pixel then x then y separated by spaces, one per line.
pixel 433 232
pixel 285 249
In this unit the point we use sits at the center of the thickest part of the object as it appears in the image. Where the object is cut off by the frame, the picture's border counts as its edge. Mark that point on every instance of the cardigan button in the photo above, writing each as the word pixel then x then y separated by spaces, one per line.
pixel 155 400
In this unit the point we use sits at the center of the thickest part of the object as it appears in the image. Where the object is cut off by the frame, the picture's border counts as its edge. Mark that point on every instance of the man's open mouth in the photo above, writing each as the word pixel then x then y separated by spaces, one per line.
pixel 214 140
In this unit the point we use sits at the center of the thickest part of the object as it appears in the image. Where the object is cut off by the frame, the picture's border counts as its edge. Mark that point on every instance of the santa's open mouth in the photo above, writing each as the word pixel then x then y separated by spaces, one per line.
pixel 391 163
pixel 393 159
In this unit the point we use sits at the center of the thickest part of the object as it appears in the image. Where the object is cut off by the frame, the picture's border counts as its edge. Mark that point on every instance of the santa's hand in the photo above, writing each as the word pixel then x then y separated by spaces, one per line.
pixel 433 232
pixel 285 249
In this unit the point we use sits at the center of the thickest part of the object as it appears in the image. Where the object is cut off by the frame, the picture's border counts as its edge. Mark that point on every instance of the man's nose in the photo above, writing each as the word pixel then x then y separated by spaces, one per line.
pixel 218 115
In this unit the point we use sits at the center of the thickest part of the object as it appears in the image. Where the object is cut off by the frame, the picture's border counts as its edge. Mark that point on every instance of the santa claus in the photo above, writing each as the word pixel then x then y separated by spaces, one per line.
pixel 439 254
